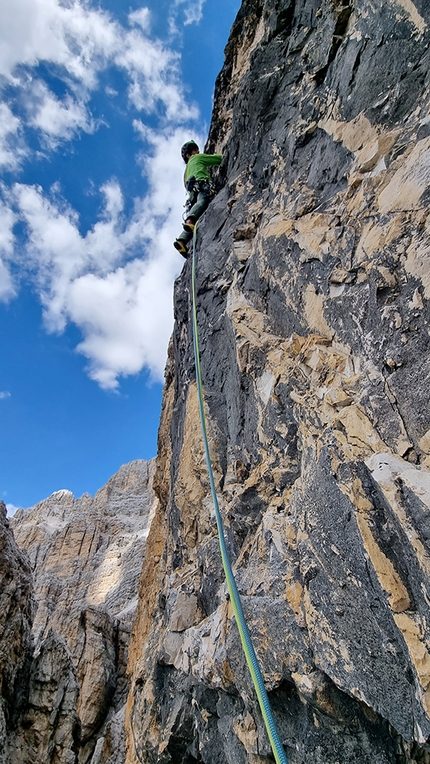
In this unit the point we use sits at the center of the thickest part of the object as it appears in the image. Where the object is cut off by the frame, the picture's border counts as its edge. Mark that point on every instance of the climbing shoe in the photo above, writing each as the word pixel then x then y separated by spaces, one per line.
pixel 189 227
pixel 180 246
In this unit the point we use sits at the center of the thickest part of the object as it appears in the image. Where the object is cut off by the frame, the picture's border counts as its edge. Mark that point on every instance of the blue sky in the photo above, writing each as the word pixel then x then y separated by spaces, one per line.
pixel 96 100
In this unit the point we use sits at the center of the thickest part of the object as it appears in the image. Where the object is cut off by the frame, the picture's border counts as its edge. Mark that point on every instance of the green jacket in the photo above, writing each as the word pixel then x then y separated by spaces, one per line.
pixel 198 163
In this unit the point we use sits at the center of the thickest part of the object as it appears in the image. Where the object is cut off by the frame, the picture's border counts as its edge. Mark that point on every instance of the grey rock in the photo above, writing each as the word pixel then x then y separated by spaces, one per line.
pixel 86 556
pixel 312 292
pixel 17 607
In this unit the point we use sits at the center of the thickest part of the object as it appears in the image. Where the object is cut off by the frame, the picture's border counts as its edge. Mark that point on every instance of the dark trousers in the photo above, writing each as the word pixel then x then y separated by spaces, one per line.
pixel 198 208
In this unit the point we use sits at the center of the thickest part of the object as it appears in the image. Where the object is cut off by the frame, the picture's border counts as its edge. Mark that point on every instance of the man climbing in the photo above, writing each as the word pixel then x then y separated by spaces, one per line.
pixel 199 185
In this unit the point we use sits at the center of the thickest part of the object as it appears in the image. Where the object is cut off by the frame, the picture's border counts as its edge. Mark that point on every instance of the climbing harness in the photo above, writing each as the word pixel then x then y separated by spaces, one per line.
pixel 248 649
pixel 194 188
pixel 206 187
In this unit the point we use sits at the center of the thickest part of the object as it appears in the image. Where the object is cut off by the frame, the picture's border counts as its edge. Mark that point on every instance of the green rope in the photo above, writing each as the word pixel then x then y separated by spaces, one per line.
pixel 245 637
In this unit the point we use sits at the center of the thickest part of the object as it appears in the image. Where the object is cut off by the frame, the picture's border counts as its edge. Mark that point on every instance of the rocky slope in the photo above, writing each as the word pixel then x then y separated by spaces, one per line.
pixel 313 288
pixel 16 615
pixel 86 556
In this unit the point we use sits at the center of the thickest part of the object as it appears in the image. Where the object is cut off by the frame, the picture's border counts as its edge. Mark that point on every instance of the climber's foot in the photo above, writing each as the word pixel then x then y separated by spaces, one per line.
pixel 189 225
pixel 180 246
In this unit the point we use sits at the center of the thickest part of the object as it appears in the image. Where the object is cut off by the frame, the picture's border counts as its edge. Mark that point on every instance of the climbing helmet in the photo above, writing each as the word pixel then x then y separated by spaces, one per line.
pixel 187 148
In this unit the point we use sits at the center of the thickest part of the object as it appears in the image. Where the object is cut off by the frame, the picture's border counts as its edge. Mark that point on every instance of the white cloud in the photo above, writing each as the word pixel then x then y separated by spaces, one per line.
pixel 4 394
pixel 7 220
pixel 11 150
pixel 72 36
pixel 78 43
pixel 193 10
pixel 55 118
pixel 142 18
pixel 153 71
pixel 58 254
pixel 7 289
pixel 126 318
pixel 114 283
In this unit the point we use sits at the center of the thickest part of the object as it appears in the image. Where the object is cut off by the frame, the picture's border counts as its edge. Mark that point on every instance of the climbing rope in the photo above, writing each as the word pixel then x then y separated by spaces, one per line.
pixel 245 637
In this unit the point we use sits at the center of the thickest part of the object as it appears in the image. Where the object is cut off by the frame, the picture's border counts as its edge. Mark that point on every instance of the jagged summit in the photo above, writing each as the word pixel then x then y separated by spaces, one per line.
pixel 85 555
pixel 63 493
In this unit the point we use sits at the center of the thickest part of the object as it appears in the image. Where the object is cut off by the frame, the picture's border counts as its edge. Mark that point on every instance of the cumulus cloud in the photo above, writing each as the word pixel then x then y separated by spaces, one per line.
pixel 115 282
pixel 78 43
pixel 4 394
pixel 56 253
pixel 72 36
pixel 126 319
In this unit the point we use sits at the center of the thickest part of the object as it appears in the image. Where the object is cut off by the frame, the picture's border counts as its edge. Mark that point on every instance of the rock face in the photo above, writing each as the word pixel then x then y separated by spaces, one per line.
pixel 16 614
pixel 313 266
pixel 86 556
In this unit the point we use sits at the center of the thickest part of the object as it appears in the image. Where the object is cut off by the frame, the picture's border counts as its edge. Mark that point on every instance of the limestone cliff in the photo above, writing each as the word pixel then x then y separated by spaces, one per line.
pixel 16 615
pixel 86 556
pixel 313 288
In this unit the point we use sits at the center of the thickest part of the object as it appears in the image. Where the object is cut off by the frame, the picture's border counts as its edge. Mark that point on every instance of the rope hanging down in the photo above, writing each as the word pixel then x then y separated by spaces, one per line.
pixel 245 637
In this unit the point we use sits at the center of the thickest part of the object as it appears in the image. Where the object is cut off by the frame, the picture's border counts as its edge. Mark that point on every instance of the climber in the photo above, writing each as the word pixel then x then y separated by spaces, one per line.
pixel 200 187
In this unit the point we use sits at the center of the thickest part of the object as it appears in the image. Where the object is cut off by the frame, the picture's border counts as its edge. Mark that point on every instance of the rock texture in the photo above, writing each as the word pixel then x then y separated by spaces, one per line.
pixel 16 614
pixel 313 288
pixel 86 556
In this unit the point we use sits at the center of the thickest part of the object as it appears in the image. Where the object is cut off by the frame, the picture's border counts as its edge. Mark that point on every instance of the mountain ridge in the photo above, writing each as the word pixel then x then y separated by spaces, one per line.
pixel 85 555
